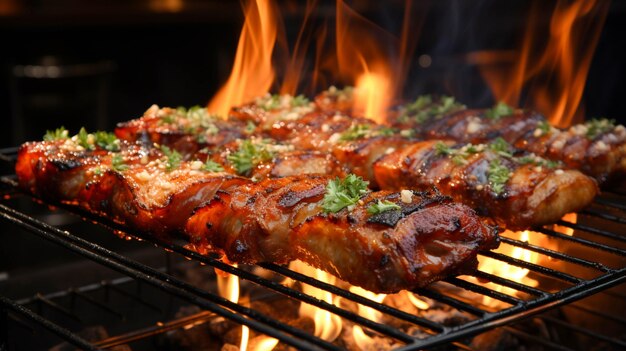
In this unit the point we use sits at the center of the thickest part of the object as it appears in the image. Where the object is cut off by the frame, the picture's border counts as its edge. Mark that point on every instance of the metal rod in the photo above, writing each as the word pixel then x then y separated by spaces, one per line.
pixel 536 339
pixel 509 283
pixel 584 242
pixel 578 329
pixel 596 213
pixel 97 304
pixel 483 291
pixel 56 329
pixel 112 260
pixel 531 266
pixel 555 254
pixel 607 202
pixel 133 297
pixel 593 230
pixel 452 302
pixel 57 307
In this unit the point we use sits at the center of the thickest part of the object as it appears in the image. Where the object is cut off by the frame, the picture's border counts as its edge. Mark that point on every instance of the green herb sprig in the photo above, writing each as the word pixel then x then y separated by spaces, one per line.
pixel 56 134
pixel 117 163
pixel 498 175
pixel 212 166
pixel 498 111
pixel 598 126
pixel 248 156
pixel 342 193
pixel 172 158
pixel 382 206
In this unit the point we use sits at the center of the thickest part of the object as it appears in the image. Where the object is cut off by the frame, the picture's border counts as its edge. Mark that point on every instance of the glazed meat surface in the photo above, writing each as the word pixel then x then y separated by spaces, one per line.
pixel 596 147
pixel 425 239
pixel 418 239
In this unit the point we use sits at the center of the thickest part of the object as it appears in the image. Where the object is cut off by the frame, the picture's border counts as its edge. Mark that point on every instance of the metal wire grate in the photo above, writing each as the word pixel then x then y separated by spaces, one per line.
pixel 579 276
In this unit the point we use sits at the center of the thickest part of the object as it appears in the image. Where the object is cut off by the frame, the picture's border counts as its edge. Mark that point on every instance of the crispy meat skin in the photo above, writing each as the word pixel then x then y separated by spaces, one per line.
pixel 392 162
pixel 533 195
pixel 276 220
pixel 600 157
pixel 279 220
pixel 145 197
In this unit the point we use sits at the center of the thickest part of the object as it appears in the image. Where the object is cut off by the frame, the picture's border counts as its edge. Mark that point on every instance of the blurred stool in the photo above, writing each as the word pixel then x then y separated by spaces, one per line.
pixel 52 92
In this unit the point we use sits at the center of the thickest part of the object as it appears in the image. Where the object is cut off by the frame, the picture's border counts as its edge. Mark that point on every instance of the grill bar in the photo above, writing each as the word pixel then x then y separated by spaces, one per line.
pixel 121 264
pixel 56 329
pixel 215 305
pixel 555 254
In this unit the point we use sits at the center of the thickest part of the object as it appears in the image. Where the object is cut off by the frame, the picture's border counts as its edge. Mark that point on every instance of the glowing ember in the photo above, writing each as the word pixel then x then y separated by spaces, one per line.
pixel 505 270
pixel 327 325
pixel 252 74
pixel 554 73
pixel 570 218
pixel 417 302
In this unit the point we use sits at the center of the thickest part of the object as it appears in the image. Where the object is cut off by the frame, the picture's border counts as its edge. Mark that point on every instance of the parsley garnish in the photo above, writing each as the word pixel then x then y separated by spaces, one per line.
pixel 248 156
pixel 173 158
pixel 423 108
pixel 270 103
pixel 498 111
pixel 250 127
pixel 212 166
pixel 341 193
pixel 501 147
pixel 117 163
pixel 498 175
pixel 544 127
pixel 538 161
pixel 83 139
pixel 299 101
pixel 443 149
pixel 382 206
pixel 356 131
pixel 57 134
pixel 107 141
pixel 596 127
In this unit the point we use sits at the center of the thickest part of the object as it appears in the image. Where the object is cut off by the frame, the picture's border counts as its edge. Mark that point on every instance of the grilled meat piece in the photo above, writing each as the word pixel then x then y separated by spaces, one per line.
pixel 280 220
pixel 277 220
pixel 518 191
pixel 597 147
pixel 133 185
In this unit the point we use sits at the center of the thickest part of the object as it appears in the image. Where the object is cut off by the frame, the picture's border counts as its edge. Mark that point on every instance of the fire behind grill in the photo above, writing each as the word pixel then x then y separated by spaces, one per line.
pixel 578 277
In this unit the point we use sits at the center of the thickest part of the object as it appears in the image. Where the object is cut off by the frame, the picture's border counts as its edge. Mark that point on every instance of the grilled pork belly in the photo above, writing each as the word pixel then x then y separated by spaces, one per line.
pixel 408 240
pixel 597 147
pixel 141 187
pixel 424 238
pixel 530 190
pixel 517 190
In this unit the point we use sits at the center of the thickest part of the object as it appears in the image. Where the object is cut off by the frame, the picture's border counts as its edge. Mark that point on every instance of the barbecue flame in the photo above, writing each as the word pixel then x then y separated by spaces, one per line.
pixel 553 71
pixel 327 325
pixel 252 74
pixel 501 269
pixel 360 338
pixel 570 218
pixel 361 57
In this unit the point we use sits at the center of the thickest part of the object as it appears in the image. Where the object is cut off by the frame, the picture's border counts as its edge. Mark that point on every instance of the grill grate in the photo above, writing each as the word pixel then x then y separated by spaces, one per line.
pixel 603 233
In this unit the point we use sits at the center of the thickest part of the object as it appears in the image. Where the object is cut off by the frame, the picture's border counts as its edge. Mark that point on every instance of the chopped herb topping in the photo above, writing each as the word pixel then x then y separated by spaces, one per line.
pixel 460 155
pixel 595 127
pixel 501 147
pixel 250 127
pixel 248 156
pixel 172 158
pixel 83 139
pixel 423 108
pixel 212 166
pixel 498 111
pixel 544 127
pixel 299 101
pixel 498 175
pixel 57 134
pixel 271 102
pixel 355 132
pixel 117 163
pixel 538 161
pixel 107 141
pixel 382 206
pixel 341 193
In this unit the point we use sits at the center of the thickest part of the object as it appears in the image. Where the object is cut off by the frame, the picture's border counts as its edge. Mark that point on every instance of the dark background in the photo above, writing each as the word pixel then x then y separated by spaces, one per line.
pixel 119 57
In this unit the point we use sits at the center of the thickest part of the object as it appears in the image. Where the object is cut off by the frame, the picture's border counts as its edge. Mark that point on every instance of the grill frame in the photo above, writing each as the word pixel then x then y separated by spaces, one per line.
pixel 295 337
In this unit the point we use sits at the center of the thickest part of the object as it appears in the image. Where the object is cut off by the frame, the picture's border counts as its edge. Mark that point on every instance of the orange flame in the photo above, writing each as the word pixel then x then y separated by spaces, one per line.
pixel 570 218
pixel 554 71
pixel 360 56
pixel 327 325
pixel 505 270
pixel 252 74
